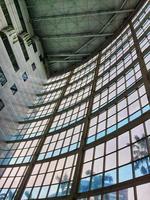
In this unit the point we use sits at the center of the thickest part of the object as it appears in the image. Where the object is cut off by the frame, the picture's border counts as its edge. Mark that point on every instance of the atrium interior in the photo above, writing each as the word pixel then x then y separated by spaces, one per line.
pixel 75 99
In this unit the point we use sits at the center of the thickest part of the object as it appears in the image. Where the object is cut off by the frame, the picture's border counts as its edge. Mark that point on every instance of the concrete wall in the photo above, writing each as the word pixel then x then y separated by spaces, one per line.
pixel 16 105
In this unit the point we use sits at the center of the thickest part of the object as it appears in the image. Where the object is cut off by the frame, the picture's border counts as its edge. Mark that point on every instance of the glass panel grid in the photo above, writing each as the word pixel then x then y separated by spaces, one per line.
pixel 18 152
pixel 29 130
pixel 48 98
pixel 119 99
pixel 69 117
pixel 117 160
pixel 119 114
pixel 11 178
pixel 42 111
pixel 54 177
pixel 61 143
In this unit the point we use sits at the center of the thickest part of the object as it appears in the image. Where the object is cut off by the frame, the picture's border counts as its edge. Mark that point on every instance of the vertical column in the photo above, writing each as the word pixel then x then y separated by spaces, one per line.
pixel 43 137
pixel 78 170
pixel 140 57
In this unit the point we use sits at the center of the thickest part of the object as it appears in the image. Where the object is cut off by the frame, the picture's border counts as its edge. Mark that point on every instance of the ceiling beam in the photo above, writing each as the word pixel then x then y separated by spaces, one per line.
pixel 68 54
pixel 64 61
pixel 101 29
pixel 83 14
pixel 75 35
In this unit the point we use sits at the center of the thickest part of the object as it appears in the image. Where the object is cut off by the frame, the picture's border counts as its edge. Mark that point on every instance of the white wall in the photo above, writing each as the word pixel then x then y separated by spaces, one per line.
pixel 16 105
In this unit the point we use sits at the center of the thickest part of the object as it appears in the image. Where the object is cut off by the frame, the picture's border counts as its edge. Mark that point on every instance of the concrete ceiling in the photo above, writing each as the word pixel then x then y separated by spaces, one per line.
pixel 72 30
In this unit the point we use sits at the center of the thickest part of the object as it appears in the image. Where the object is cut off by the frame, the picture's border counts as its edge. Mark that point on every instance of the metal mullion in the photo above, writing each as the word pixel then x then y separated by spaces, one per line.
pixel 56 122
pixel 47 144
pixel 65 99
pixel 143 10
pixel 121 35
pixel 128 50
pixel 5 177
pixel 73 168
pixel 55 143
pixel 141 61
pixel 120 186
pixel 108 81
pixel 34 148
pixel 38 186
pixel 7 154
pixel 67 117
pixel 37 152
pixel 92 165
pixel 117 61
pixel 132 65
pixel 61 173
pixel 57 198
pixel 68 127
pixel 57 157
pixel 139 98
pixel 62 170
pixel 140 25
pixel 26 139
pixel 81 153
pixel 81 78
pixel 72 162
pixel 63 141
pixel 138 7
pixel 85 67
pixel 53 172
pixel 18 155
pixel 35 181
pixel 97 123
pixel 120 131
pixel 70 137
pixel 145 36
pixel 56 81
pixel 111 136
pixel 128 144
pixel 131 151
pixel 117 49
pixel 109 104
pixel 104 165
pixel 69 101
pixel 86 83
pixel 48 92
pixel 14 165
pixel 82 87
pixel 147 143
pixel 132 160
pixel 135 193
pixel 117 152
pixel 106 120
pixel 12 181
pixel 79 133
pixel 135 72
pixel 125 92
pixel 147 136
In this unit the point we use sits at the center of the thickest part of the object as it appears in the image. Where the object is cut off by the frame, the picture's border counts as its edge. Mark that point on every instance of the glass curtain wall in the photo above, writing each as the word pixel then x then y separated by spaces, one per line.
pixel 87 134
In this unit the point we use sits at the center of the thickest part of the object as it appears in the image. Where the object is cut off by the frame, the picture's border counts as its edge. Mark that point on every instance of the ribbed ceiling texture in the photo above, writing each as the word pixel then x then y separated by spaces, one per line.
pixel 73 30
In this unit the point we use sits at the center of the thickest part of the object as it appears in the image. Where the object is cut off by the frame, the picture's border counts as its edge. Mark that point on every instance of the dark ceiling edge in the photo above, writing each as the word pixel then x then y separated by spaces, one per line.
pixel 104 45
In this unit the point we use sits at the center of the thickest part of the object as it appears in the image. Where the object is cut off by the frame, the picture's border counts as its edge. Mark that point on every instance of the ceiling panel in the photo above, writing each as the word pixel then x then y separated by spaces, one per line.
pixel 76 26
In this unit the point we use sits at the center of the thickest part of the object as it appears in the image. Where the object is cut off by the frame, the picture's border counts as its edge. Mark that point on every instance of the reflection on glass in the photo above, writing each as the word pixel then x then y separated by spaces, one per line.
pixel 110 178
pixel 142 167
pixel 110 196
pixel 64 185
pixel 125 173
pixel 143 192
